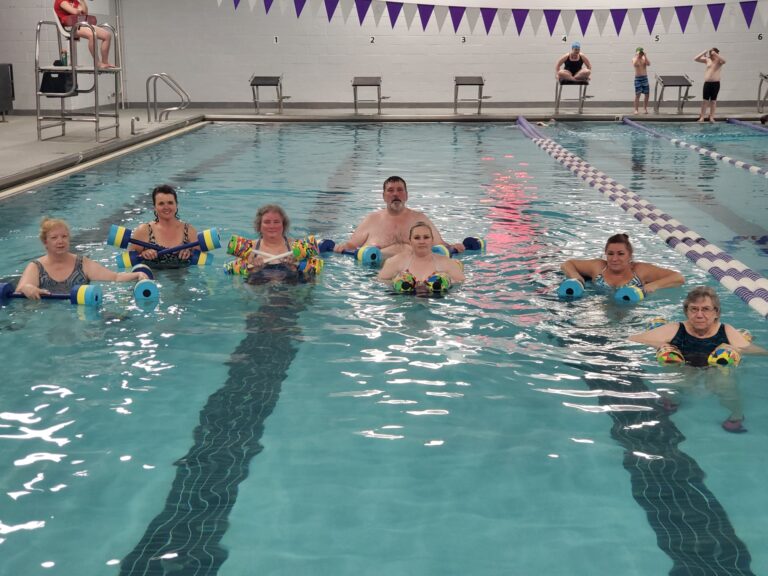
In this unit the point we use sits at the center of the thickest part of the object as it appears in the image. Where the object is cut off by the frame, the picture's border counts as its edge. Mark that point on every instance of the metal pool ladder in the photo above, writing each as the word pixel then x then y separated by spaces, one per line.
pixel 173 85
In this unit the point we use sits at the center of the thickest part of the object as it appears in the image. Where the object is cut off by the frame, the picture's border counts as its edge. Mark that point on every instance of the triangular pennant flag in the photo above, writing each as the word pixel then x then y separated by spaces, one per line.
pixel 393 8
pixel 441 13
pixel 346 9
pixel 473 15
pixel 314 7
pixel 601 17
pixel 409 11
pixel 748 9
pixel 252 4
pixel 667 14
pixel 683 14
pixel 377 7
pixel 618 15
pixel 700 15
pixel 299 5
pixel 425 13
pixel 520 14
pixel 584 16
pixel 330 8
pixel 715 12
pixel 650 18
pixel 457 13
pixel 634 19
pixel 535 16
pixel 489 15
pixel 551 17
pixel 362 9
pixel 504 17
pixel 268 5
pixel 237 3
pixel 219 1
pixel 567 17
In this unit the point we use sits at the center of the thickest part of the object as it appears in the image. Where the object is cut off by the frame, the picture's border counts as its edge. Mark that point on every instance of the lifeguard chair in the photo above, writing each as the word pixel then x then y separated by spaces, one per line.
pixel 64 80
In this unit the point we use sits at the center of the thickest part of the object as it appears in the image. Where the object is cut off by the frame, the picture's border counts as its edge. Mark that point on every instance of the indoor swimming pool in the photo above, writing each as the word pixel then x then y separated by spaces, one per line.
pixel 337 428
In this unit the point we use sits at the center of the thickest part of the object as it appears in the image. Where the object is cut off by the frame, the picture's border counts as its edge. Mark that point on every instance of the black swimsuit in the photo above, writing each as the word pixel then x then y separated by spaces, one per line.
pixel 695 350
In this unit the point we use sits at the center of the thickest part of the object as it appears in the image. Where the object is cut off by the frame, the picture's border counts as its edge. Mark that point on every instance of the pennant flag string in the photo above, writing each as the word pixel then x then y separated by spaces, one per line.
pixel 520 15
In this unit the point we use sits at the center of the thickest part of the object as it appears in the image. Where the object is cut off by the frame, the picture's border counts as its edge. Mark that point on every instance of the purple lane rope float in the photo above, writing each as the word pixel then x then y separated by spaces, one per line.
pixel 750 125
pixel 736 276
pixel 701 150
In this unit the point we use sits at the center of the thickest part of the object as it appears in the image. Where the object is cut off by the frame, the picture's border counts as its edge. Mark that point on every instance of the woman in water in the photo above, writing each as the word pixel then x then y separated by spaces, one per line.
pixel 166 231
pixel 618 269
pixel 419 269
pixel 60 270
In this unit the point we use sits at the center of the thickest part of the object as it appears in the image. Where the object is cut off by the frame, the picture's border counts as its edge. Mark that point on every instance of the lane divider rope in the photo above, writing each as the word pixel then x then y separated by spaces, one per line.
pixel 752 169
pixel 736 276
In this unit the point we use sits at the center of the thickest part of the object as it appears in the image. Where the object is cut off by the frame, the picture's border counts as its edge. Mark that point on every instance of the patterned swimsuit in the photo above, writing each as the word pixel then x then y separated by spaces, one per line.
pixel 600 283
pixel 76 278
pixel 169 260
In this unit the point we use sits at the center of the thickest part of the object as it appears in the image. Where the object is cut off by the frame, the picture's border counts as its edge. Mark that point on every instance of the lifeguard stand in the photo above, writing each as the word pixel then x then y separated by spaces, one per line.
pixel 64 81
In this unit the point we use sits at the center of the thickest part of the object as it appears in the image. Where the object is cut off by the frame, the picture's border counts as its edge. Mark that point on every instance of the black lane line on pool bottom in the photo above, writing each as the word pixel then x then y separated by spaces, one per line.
pixel 691 526
pixel 189 529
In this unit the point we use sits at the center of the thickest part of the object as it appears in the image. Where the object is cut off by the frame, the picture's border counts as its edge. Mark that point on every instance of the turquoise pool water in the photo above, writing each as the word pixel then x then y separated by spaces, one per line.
pixel 337 429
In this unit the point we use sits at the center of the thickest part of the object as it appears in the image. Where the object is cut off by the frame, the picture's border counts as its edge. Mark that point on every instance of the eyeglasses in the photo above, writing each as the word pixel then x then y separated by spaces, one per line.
pixel 702 309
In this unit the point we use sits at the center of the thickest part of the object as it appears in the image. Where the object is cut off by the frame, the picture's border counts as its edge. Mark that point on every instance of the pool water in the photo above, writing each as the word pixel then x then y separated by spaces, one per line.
pixel 337 428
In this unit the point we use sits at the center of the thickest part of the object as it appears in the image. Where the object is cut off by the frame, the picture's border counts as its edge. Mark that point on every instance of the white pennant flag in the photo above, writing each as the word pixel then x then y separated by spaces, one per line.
pixel 409 11
pixel 567 17
pixel 378 7
pixel 666 15
pixel 472 15
pixel 601 17
pixel 633 16
pixel 535 17
pixel 504 15
pixel 440 14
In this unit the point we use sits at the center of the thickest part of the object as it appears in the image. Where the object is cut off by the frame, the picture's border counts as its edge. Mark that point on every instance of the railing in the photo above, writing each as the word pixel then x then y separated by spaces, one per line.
pixel 173 85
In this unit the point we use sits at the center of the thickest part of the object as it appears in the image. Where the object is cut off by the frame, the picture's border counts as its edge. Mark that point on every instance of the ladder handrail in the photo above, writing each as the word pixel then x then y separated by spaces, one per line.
pixel 173 85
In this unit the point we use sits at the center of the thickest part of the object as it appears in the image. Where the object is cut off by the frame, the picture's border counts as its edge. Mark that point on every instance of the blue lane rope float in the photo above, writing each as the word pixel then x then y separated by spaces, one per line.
pixel 370 255
pixel 81 295
pixel 701 150
pixel 757 127
pixel 736 276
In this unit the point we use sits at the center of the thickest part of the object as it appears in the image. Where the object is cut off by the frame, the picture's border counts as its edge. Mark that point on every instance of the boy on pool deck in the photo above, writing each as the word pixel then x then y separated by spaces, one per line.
pixel 714 63
pixel 640 62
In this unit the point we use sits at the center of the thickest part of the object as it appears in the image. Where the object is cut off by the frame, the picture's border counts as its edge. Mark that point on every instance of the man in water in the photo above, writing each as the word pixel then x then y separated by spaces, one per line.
pixel 388 228
pixel 714 63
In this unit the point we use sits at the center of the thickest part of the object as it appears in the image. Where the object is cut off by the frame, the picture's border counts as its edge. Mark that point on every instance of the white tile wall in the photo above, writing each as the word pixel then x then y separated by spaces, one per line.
pixel 212 51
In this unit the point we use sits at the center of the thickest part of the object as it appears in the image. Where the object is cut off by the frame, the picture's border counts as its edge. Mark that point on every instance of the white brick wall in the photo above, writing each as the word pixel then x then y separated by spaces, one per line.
pixel 212 50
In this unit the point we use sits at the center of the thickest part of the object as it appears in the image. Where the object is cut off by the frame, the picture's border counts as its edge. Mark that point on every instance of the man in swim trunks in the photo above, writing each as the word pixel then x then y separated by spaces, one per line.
pixel 389 228
pixel 640 62
pixel 714 62
pixel 576 66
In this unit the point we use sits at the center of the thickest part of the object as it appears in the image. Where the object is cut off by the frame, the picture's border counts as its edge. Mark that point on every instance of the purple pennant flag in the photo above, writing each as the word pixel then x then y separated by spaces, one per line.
pixel 519 14
pixel 394 11
pixel 488 15
pixel 299 5
pixel 551 17
pixel 683 13
pixel 425 13
pixel 584 17
pixel 716 12
pixel 618 15
pixel 362 9
pixel 650 18
pixel 457 13
pixel 330 8
pixel 237 3
pixel 748 9
pixel 268 5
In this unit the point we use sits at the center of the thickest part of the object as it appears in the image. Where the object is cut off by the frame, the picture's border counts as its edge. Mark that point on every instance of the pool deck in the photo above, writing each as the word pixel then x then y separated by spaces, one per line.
pixel 26 162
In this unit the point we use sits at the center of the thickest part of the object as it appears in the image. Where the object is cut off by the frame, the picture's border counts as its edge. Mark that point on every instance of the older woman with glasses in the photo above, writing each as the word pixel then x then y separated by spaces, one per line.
pixel 702 340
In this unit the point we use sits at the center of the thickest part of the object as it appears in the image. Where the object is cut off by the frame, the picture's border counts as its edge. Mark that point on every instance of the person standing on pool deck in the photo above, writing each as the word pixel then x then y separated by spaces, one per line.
pixel 389 228
pixel 640 62
pixel 576 66
pixel 714 62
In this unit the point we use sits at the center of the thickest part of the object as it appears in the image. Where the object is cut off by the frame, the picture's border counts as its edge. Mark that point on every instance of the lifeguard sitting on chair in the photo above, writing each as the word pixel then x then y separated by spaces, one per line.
pixel 70 12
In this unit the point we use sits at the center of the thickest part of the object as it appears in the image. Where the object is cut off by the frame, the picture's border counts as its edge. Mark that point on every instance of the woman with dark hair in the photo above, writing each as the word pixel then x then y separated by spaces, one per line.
pixel 166 231
pixel 617 269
